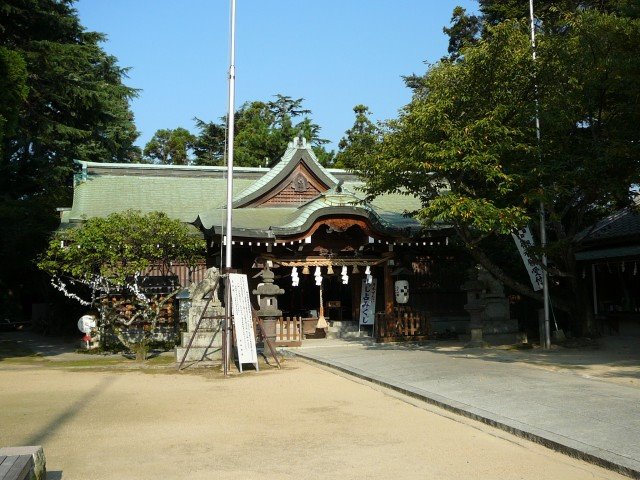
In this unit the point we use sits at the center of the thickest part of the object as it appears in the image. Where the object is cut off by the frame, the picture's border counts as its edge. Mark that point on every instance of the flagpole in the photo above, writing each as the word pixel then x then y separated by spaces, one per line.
pixel 543 227
pixel 229 222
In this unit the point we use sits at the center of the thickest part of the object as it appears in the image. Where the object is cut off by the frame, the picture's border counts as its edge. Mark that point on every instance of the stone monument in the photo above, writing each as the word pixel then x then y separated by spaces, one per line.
pixel 207 343
pixel 475 307
pixel 488 308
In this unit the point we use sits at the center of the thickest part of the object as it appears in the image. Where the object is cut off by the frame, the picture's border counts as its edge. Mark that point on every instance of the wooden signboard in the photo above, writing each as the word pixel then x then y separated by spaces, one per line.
pixel 242 320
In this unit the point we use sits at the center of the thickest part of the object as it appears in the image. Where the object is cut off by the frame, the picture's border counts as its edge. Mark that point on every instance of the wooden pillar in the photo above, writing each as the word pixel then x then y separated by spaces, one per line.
pixel 388 290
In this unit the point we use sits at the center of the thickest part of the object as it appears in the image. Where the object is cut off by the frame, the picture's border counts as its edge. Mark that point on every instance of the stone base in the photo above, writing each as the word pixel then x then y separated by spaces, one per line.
pixel 347 329
pixel 205 347
pixel 499 326
pixel 199 354
pixel 476 339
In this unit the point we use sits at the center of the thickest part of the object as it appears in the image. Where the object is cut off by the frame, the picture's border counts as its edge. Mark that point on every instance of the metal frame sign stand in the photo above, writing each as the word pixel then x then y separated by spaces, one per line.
pixel 242 316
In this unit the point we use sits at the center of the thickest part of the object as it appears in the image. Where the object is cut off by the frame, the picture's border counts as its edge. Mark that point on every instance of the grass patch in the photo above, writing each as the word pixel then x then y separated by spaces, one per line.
pixel 161 360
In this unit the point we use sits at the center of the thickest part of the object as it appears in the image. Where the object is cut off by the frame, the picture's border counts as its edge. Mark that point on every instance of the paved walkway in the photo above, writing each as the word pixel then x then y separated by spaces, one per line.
pixel 590 418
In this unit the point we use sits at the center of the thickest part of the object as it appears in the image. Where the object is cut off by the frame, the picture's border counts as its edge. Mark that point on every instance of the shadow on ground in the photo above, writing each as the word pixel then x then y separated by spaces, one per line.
pixel 613 357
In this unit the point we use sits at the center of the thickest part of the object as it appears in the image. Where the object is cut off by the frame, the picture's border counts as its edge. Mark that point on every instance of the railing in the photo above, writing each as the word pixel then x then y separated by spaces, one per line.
pixel 402 326
pixel 289 332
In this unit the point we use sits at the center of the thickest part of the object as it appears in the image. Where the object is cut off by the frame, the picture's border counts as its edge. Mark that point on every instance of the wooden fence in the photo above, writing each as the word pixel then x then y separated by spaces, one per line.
pixel 289 332
pixel 402 326
pixel 186 275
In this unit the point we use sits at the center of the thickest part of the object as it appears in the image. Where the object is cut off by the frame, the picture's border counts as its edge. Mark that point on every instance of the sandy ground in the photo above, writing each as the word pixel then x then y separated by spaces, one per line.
pixel 301 422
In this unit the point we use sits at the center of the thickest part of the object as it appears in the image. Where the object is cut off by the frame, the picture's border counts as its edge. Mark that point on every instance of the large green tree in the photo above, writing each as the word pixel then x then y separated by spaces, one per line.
pixel 466 144
pixel 61 98
pixel 170 146
pixel 262 132
pixel 359 141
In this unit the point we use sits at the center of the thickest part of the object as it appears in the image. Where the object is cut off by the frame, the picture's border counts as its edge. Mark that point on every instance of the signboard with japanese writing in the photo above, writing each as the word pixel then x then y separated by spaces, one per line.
pixel 524 241
pixel 242 319
pixel 368 302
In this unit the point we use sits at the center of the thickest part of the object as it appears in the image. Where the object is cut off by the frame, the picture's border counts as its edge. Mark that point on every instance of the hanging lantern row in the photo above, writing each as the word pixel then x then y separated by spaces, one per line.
pixel 317 274
pixel 345 276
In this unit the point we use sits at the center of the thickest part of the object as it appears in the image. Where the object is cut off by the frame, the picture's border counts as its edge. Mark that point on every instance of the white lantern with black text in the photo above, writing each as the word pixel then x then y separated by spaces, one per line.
pixel 402 291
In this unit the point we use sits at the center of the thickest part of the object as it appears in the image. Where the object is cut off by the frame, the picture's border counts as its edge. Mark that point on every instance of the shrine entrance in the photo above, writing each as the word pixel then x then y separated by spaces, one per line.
pixel 304 299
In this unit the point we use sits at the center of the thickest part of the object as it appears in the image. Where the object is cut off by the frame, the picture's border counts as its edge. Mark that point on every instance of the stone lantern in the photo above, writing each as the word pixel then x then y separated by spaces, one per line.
pixel 475 307
pixel 267 292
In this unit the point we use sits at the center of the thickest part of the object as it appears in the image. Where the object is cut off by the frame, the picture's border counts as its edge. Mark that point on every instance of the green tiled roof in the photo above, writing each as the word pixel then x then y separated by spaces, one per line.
pixel 182 192
pixel 197 195
pixel 392 202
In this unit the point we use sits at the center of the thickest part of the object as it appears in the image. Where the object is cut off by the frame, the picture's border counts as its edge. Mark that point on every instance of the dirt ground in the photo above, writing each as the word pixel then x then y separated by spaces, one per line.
pixel 299 422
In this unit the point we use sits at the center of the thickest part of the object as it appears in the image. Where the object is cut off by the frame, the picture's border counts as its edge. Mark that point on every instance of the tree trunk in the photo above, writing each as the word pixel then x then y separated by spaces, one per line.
pixel 480 257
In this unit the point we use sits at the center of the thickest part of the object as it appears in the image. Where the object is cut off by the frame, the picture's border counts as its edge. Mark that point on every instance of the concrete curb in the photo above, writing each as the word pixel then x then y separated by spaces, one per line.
pixel 559 443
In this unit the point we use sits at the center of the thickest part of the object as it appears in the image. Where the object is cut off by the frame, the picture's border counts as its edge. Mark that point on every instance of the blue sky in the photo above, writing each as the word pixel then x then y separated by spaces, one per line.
pixel 333 53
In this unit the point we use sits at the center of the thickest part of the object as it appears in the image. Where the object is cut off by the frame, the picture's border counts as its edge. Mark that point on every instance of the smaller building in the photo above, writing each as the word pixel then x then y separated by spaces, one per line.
pixel 610 258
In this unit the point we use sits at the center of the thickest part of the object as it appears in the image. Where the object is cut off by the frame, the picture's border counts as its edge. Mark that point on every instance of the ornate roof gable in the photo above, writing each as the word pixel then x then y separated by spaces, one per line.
pixel 297 178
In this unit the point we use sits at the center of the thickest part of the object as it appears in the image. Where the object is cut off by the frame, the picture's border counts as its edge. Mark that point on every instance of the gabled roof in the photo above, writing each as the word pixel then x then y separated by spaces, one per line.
pixel 197 195
pixel 298 152
pixel 619 226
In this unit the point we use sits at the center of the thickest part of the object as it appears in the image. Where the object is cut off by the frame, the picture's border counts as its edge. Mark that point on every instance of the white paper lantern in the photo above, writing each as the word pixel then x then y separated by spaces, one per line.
pixel 402 291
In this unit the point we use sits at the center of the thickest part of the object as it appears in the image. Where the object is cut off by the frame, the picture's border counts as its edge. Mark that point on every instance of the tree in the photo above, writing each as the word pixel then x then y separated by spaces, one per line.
pixel 210 144
pixel 102 264
pixel 464 31
pixel 13 91
pixel 62 98
pixel 76 106
pixel 170 147
pixel 359 142
pixel 466 144
pixel 551 16
pixel 262 133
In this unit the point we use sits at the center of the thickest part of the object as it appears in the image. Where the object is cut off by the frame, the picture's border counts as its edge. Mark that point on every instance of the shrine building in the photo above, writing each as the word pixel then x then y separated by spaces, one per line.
pixel 304 221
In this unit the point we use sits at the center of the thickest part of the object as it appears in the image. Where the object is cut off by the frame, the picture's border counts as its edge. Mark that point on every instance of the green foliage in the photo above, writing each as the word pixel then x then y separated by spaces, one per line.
pixel 457 133
pixel 13 91
pixel 107 258
pixel 464 31
pixel 76 105
pixel 170 147
pixel 262 132
pixel 119 247
pixel 359 142
pixel 466 144
pixel 62 98
pixel 552 12
pixel 210 144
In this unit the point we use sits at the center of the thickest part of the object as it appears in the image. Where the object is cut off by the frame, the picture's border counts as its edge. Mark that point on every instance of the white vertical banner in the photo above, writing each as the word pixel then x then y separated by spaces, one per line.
pixel 524 240
pixel 242 319
pixel 368 302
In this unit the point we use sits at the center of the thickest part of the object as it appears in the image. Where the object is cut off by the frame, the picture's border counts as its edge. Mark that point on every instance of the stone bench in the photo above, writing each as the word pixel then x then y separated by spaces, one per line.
pixel 22 463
